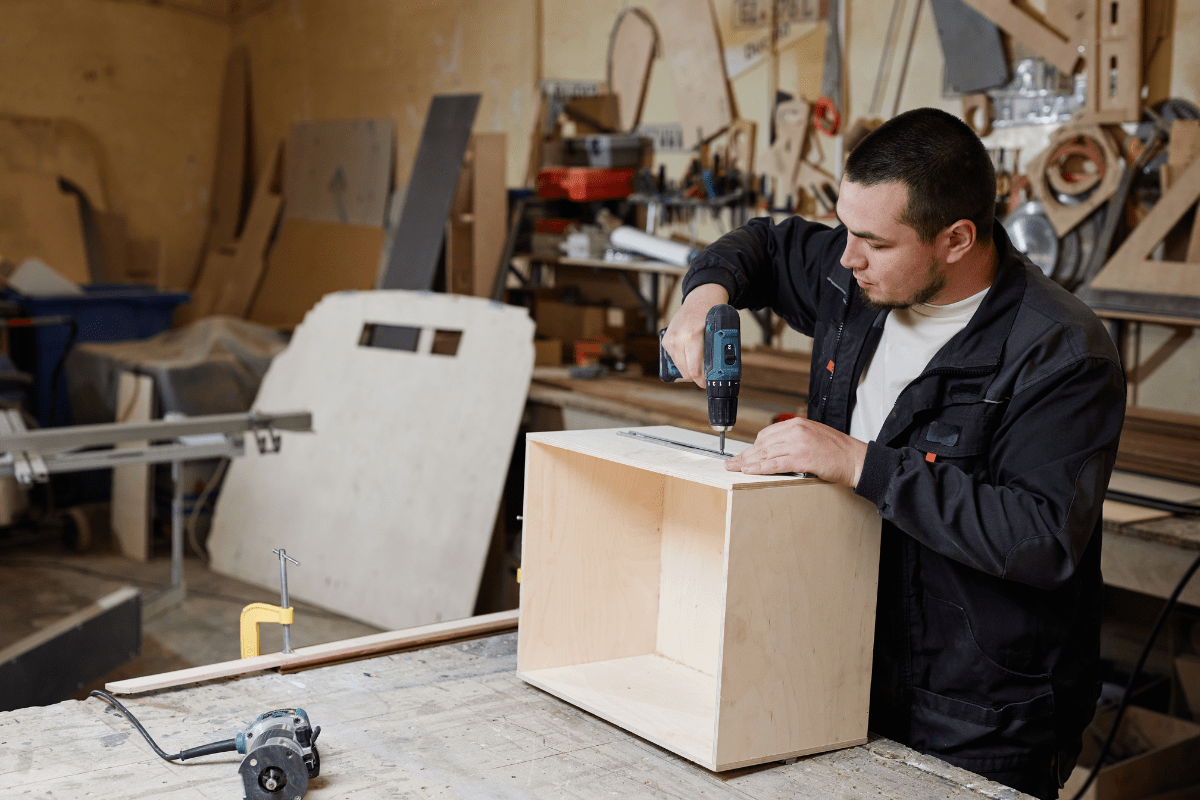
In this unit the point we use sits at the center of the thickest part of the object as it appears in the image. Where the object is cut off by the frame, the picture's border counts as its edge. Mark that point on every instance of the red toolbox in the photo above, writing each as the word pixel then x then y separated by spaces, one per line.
pixel 582 184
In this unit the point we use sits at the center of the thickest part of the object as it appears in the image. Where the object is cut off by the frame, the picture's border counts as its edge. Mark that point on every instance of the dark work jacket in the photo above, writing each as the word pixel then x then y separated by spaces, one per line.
pixel 988 615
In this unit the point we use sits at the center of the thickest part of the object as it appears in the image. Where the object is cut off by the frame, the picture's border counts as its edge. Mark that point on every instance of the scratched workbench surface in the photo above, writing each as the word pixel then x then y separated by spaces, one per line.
pixel 449 721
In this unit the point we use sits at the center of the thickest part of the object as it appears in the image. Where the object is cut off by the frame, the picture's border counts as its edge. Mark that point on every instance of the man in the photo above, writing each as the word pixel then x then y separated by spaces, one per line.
pixel 978 405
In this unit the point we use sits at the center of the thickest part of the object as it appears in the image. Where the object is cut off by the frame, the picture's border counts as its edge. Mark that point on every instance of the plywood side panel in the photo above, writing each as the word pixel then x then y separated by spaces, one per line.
pixel 692 579
pixel 390 504
pixel 799 622
pixel 590 560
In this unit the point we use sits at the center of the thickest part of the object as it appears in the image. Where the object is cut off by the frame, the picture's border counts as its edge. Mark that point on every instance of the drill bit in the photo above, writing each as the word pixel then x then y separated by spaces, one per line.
pixel 722 441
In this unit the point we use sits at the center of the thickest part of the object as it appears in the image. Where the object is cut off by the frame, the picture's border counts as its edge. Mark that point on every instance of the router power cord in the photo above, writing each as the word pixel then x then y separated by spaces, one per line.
pixel 1141 662
pixel 223 746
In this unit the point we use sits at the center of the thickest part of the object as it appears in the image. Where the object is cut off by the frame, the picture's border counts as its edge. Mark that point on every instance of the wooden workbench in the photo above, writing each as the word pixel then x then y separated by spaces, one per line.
pixel 448 721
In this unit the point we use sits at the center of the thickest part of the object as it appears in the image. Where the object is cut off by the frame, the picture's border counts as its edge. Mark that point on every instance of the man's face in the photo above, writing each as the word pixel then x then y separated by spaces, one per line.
pixel 893 268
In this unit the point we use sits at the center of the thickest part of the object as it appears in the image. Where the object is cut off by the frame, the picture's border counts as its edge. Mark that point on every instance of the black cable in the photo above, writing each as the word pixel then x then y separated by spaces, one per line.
pixel 223 746
pixel 56 373
pixel 108 698
pixel 1141 662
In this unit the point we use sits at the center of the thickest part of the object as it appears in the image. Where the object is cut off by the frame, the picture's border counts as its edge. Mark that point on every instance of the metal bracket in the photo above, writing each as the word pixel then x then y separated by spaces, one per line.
pixel 268 439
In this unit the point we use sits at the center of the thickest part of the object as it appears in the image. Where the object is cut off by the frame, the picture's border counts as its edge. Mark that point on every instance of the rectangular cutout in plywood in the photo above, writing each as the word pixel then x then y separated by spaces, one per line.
pixel 389 506
pixel 728 618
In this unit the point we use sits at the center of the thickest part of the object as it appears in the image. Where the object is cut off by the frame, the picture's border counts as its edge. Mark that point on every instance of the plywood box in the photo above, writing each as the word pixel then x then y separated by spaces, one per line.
pixel 726 617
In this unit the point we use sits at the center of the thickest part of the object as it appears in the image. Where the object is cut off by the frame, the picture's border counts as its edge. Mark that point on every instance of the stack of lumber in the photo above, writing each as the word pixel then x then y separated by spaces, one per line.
pixel 1162 443
pixel 776 370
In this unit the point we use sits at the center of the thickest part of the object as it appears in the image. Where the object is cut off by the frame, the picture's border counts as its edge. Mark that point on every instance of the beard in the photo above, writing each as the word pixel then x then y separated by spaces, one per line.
pixel 935 282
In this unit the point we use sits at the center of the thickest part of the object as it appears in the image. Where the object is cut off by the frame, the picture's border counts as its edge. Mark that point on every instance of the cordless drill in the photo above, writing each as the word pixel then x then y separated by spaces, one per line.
pixel 722 366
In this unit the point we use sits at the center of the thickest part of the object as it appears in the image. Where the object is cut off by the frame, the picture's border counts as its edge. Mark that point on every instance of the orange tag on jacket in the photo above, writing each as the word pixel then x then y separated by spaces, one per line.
pixel 931 457
pixel 829 366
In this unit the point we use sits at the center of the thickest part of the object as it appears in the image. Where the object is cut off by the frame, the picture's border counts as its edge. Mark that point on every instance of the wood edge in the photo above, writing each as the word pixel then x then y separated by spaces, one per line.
pixel 793 754
pixel 728 484
pixel 707 763
pixel 320 655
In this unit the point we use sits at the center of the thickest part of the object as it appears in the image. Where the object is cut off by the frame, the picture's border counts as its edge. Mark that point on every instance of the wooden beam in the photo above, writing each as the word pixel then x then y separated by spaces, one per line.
pixel 1031 31
pixel 330 653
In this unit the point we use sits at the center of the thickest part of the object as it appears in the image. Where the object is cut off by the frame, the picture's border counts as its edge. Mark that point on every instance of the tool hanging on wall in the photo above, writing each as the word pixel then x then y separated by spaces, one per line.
pixel 826 113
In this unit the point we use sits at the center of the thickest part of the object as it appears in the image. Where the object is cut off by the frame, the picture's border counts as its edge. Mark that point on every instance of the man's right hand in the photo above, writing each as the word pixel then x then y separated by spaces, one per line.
pixel 684 339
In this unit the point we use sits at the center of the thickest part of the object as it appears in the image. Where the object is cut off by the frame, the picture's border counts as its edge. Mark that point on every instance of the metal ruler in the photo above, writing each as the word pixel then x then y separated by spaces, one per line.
pixel 691 448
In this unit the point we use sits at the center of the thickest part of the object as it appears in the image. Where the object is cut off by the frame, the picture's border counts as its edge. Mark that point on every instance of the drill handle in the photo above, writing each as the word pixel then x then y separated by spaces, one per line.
pixel 667 371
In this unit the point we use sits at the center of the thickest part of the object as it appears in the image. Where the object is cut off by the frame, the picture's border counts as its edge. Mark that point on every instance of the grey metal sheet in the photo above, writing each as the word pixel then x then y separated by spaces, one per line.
pixel 417 240
pixel 971 46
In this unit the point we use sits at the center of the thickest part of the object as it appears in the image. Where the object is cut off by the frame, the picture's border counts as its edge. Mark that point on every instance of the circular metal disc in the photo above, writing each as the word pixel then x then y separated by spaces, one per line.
pixel 1032 234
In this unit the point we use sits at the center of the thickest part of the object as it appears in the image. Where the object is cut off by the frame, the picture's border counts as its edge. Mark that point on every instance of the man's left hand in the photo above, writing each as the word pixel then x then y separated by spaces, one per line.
pixel 801 445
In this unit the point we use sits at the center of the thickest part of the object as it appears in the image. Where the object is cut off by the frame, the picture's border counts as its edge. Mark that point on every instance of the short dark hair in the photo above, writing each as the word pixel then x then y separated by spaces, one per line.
pixel 940 161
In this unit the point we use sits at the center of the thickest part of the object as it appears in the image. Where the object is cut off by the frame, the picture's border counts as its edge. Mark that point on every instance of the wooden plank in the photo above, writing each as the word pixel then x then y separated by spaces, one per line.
pixel 395 536
pixel 231 173
pixel 697 67
pixel 632 48
pixel 230 275
pixel 324 654
pixel 489 200
pixel 802 567
pixel 310 260
pixel 339 170
pixel 457 715
pixel 1148 567
pixel 460 250
pixel 39 220
pixel 1119 57
pixel 133 484
pixel 1031 31
pixel 417 240
pixel 1130 269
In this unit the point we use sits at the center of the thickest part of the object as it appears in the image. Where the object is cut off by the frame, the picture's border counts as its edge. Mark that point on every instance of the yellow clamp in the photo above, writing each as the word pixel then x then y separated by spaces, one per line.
pixel 252 615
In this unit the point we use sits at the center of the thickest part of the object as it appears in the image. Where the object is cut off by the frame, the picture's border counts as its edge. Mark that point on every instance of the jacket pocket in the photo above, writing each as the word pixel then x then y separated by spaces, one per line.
pixel 957 432
pixel 967 705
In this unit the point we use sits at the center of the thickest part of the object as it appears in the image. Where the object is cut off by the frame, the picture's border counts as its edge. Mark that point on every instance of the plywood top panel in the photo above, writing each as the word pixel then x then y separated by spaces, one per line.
pixel 607 444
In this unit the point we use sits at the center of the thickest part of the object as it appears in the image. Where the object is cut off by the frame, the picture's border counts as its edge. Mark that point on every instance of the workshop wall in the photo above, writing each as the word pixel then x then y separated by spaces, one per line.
pixel 146 82
pixel 338 59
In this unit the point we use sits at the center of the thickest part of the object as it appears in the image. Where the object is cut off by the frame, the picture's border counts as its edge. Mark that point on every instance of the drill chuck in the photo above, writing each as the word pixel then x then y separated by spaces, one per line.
pixel 722 403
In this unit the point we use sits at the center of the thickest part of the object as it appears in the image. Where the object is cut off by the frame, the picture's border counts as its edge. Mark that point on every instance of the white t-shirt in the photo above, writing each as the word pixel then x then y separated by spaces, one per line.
pixel 911 338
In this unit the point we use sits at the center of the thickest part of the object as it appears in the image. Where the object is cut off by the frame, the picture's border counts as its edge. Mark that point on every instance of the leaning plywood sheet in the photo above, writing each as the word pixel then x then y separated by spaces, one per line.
pixel 38 219
pixel 697 68
pixel 339 170
pixel 390 506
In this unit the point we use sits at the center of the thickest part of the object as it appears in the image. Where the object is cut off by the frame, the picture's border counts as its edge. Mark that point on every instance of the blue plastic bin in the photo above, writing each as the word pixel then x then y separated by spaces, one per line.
pixel 104 313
